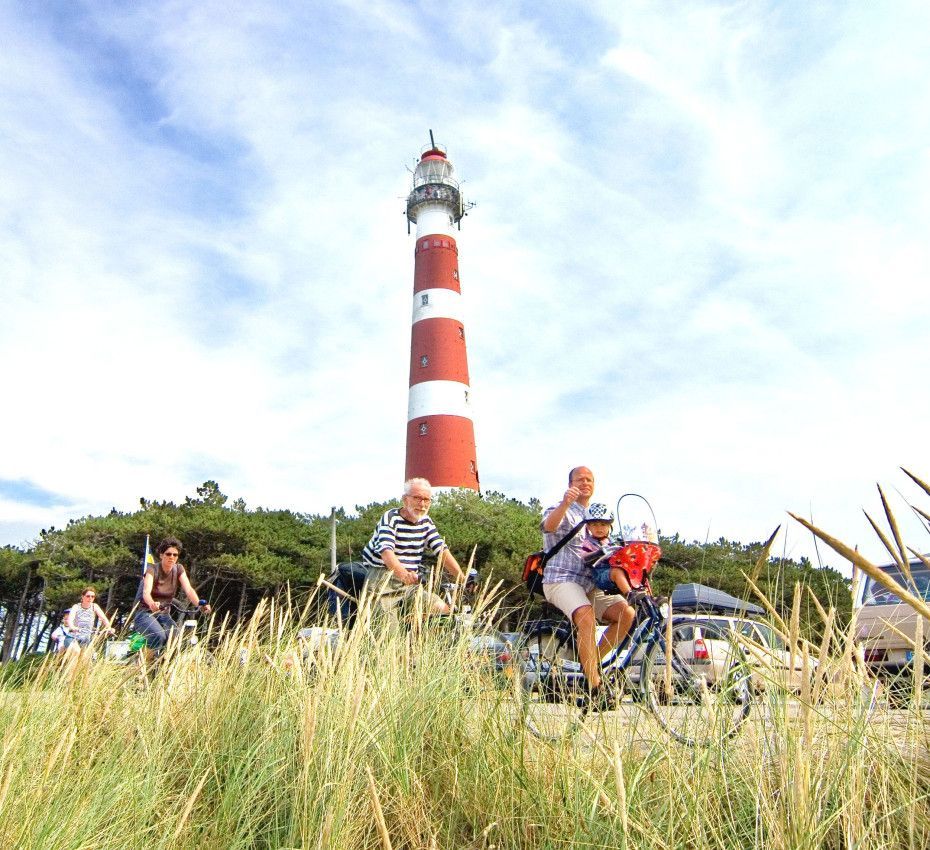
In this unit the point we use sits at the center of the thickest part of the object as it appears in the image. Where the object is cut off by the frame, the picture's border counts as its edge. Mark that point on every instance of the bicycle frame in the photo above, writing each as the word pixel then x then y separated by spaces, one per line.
pixel 637 643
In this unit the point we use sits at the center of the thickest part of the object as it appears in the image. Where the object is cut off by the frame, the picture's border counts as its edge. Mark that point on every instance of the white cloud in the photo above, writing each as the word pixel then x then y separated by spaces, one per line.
pixel 697 261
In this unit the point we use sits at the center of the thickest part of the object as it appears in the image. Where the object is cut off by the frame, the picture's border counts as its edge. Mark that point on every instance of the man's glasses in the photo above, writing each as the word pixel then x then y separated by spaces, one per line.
pixel 172 554
pixel 423 500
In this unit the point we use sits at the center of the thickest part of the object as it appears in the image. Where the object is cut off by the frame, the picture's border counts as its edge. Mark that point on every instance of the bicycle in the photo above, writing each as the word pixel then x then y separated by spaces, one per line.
pixel 654 664
pixel 184 653
pixel 486 643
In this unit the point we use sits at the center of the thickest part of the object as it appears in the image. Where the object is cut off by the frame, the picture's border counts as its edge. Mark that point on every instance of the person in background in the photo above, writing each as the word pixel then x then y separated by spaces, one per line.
pixel 395 551
pixel 81 620
pixel 157 590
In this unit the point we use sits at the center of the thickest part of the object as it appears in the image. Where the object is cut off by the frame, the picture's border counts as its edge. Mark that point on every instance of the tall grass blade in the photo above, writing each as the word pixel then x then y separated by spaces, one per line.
pixel 896 532
pixel 873 572
pixel 922 484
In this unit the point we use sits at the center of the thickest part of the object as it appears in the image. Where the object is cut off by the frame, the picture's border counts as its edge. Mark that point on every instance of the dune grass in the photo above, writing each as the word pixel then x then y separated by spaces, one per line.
pixel 399 738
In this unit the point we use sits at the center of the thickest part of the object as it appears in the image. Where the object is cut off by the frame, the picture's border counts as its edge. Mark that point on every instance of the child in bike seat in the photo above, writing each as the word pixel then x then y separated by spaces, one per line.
pixel 608 578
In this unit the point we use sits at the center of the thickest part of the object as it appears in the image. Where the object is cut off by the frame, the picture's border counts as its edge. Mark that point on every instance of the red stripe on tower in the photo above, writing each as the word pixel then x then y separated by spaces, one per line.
pixel 440 429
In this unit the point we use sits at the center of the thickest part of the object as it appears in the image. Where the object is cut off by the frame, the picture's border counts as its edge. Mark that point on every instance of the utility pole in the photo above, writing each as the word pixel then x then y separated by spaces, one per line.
pixel 332 540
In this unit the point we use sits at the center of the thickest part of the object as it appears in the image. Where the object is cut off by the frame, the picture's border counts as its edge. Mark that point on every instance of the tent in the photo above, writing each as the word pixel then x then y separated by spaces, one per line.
pixel 699 598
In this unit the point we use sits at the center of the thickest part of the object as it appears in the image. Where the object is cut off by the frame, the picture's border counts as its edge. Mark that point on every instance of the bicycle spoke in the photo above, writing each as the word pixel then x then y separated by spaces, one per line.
pixel 552 703
pixel 692 709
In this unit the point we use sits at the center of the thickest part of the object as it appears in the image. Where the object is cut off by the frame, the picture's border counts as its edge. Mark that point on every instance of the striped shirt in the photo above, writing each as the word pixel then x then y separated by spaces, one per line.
pixel 82 620
pixel 409 540
pixel 568 563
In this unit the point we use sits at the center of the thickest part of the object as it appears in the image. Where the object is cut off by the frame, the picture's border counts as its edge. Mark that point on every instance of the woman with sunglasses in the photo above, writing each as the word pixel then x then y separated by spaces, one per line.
pixel 159 586
pixel 81 619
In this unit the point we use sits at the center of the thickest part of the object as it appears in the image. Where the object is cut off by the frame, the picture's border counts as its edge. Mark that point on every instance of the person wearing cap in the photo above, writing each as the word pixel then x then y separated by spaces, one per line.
pixel 568 582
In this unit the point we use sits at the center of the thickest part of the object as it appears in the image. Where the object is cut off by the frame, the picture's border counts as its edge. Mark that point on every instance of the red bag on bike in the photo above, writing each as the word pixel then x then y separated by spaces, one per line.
pixel 533 568
pixel 534 564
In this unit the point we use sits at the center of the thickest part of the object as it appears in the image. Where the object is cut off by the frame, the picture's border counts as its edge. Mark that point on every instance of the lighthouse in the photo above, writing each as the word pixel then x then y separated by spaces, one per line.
pixel 440 429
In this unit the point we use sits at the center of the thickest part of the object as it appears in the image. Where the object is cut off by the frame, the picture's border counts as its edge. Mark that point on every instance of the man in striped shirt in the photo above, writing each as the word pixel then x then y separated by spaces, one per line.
pixel 399 542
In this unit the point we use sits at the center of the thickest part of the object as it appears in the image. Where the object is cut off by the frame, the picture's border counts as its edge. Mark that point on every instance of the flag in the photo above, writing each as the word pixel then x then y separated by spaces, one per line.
pixel 147 558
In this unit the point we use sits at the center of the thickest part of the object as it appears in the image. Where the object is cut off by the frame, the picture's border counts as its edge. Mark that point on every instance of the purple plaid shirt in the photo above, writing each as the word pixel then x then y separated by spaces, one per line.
pixel 567 564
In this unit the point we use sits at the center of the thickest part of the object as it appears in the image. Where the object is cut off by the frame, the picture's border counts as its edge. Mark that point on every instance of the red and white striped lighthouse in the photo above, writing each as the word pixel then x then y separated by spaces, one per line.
pixel 440 430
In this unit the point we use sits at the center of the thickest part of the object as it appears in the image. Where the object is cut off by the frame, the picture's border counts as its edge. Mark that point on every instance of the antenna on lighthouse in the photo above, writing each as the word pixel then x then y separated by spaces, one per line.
pixel 432 144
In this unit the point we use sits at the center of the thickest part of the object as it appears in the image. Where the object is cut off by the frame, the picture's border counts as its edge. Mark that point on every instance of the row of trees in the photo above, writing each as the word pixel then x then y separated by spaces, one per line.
pixel 237 555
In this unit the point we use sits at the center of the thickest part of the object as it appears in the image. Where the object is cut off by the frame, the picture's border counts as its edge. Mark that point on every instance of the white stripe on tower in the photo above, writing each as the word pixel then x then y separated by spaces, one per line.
pixel 440 429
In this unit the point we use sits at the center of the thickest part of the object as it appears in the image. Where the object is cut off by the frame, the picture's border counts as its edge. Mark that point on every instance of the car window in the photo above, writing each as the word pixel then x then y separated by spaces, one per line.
pixel 713 631
pixel 771 638
pixel 877 594
pixel 747 629
pixel 685 632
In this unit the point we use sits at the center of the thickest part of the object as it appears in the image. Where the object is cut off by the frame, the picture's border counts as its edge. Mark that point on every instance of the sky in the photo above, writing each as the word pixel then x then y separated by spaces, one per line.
pixel 698 259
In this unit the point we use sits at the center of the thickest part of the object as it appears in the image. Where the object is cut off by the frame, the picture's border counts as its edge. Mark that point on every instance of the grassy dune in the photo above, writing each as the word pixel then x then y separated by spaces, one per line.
pixel 404 741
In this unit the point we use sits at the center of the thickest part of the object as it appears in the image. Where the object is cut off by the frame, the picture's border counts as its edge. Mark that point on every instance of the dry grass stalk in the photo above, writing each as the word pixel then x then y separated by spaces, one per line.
pixel 884 539
pixel 868 568
pixel 189 806
pixel 378 812
pixel 782 626
pixel 821 611
pixel 763 558
pixel 795 627
pixel 621 788
pixel 896 533
pixel 923 485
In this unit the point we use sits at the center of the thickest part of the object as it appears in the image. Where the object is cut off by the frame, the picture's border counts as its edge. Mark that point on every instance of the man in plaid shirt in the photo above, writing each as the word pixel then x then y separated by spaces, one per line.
pixel 568 583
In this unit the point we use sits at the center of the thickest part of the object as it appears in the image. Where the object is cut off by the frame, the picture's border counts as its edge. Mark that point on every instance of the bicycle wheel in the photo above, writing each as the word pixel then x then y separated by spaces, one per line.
pixel 551 687
pixel 691 704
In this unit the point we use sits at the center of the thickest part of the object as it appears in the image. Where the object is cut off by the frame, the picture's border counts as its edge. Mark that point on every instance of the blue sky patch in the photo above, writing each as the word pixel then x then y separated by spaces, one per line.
pixel 28 493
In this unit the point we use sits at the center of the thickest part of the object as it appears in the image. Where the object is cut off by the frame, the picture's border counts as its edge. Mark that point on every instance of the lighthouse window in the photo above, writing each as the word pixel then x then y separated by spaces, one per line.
pixel 425 244
pixel 423 429
pixel 455 274
pixel 462 333
pixel 424 361
pixel 466 396
pixel 424 300
pixel 436 243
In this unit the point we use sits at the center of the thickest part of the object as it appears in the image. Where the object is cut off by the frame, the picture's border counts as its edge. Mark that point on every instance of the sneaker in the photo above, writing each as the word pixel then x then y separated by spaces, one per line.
pixel 601 698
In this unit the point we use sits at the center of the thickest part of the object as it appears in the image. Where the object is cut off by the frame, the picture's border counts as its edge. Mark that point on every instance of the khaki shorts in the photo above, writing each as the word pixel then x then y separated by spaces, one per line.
pixel 392 593
pixel 568 597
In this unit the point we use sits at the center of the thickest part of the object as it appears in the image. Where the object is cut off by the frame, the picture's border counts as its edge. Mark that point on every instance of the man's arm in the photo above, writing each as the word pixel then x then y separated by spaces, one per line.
pixel 554 519
pixel 451 566
pixel 400 572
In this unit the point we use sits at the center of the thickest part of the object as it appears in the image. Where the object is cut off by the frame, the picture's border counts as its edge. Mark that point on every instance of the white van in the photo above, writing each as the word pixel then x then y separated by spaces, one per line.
pixel 879 612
